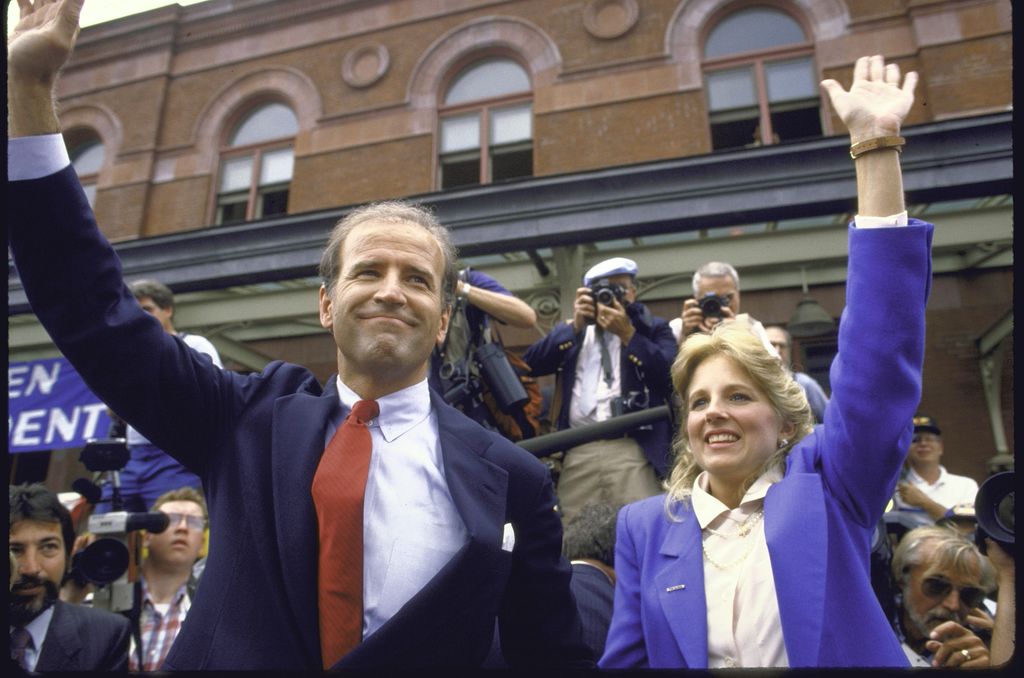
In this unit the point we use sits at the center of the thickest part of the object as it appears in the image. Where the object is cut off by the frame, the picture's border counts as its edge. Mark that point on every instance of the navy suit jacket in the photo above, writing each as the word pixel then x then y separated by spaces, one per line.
pixel 83 639
pixel 819 519
pixel 644 365
pixel 255 441
pixel 594 593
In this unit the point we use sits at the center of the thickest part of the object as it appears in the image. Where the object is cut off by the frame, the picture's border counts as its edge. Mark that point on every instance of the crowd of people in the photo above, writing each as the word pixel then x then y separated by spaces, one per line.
pixel 387 519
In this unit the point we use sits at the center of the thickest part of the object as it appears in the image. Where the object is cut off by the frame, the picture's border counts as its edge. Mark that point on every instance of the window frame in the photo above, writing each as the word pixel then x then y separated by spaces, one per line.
pixel 484 107
pixel 756 60
pixel 76 141
pixel 256 151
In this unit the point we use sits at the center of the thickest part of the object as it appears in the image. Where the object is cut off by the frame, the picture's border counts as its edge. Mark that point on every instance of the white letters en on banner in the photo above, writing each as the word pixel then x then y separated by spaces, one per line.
pixel 49 407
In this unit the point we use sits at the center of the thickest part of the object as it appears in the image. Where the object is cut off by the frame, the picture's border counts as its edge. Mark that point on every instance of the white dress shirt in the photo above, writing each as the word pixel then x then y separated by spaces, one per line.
pixel 605 392
pixel 411 527
pixel 744 627
pixel 947 491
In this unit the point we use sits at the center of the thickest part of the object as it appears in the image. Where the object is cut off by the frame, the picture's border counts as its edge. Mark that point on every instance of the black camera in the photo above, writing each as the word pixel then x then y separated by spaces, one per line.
pixel 499 376
pixel 487 362
pixel 634 401
pixel 711 305
pixel 605 292
pixel 993 509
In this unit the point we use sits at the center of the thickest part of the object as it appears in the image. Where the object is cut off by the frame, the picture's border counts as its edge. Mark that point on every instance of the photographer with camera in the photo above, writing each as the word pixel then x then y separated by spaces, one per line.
pixel 611 358
pixel 716 296
pixel 48 634
pixel 471 368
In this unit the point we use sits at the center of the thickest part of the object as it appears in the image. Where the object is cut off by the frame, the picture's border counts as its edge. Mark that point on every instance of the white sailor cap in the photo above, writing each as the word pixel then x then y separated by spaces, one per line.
pixel 610 267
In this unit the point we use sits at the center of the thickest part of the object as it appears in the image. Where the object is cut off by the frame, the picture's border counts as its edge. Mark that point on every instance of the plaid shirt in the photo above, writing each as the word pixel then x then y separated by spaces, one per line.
pixel 158 631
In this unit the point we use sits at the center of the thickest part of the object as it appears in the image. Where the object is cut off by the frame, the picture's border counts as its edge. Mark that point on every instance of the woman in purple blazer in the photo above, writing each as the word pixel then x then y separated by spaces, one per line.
pixel 759 553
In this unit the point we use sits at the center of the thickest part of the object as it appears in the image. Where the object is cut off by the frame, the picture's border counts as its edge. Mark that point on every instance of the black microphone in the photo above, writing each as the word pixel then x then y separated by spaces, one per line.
pixel 88 489
pixel 154 522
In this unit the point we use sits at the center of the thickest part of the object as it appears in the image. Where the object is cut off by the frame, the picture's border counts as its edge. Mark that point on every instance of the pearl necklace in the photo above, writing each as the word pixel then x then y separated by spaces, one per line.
pixel 743 531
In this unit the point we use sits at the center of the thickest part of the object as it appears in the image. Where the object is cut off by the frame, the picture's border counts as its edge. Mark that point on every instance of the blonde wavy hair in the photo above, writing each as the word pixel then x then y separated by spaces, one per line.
pixel 739 340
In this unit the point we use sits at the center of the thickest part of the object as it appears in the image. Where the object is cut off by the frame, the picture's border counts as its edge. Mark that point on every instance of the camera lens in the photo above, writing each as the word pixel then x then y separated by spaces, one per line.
pixel 1004 513
pixel 711 306
pixel 104 561
pixel 605 296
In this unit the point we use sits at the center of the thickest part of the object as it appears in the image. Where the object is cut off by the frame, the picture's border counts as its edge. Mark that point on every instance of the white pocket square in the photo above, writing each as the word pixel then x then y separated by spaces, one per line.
pixel 508 539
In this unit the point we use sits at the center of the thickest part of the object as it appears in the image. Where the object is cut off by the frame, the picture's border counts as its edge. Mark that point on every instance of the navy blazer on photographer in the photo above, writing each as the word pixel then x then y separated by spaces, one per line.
pixel 644 362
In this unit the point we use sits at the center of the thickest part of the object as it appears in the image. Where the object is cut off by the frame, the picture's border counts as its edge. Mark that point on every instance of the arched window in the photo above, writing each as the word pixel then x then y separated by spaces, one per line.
pixel 87 158
pixel 256 165
pixel 761 83
pixel 486 130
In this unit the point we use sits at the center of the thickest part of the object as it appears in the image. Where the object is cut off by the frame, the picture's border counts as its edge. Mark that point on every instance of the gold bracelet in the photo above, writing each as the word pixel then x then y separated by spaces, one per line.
pixel 862 147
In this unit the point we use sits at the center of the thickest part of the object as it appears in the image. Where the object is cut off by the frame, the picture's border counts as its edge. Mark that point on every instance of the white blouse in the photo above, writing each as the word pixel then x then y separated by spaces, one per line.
pixel 744 628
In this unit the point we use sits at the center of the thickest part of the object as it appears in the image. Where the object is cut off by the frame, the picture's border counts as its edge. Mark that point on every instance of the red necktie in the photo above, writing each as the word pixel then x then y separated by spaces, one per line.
pixel 338 488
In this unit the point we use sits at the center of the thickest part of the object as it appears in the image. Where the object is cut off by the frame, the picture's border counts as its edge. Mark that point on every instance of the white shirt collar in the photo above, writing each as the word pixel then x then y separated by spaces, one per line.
pixel 916 478
pixel 706 507
pixel 399 411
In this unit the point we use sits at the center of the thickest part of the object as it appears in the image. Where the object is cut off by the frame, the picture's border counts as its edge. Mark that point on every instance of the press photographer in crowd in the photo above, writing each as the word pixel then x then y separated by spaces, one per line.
pixel 611 358
pixel 716 296
pixel 471 367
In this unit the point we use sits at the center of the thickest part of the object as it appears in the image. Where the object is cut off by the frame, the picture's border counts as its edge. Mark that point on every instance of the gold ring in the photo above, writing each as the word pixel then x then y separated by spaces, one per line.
pixel 966 654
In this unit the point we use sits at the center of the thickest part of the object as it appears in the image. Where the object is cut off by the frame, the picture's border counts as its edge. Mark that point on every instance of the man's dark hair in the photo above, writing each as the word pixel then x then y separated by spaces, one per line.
pixel 35 502
pixel 157 291
pixel 591 534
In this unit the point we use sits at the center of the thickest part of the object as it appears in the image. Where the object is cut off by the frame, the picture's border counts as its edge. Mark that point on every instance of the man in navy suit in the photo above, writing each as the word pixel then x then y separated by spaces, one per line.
pixel 46 633
pixel 459 526
pixel 589 544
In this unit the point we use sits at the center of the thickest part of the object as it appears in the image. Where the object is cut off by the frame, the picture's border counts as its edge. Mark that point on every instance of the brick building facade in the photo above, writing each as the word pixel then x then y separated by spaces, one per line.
pixel 369 95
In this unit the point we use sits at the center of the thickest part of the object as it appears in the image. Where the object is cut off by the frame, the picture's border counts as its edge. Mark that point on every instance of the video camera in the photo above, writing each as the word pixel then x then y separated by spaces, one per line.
pixel 711 305
pixel 110 562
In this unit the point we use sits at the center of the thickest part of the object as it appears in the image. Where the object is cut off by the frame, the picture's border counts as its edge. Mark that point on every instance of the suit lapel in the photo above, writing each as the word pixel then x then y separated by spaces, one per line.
pixel 797 534
pixel 680 581
pixel 56 654
pixel 300 424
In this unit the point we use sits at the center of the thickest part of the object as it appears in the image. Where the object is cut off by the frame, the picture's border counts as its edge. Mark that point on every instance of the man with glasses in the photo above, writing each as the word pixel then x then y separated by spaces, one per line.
pixel 928 493
pixel 165 573
pixel 942 580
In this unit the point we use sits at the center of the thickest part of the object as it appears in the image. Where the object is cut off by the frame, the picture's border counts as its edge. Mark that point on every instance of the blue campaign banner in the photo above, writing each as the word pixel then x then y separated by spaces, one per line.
pixel 49 407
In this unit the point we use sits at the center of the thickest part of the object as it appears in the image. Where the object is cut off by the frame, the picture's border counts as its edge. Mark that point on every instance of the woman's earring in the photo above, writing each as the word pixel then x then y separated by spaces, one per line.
pixel 783 443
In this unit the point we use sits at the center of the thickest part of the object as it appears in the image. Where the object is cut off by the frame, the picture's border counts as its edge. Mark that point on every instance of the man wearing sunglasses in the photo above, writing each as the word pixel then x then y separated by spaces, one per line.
pixel 942 580
pixel 165 572
pixel 928 492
